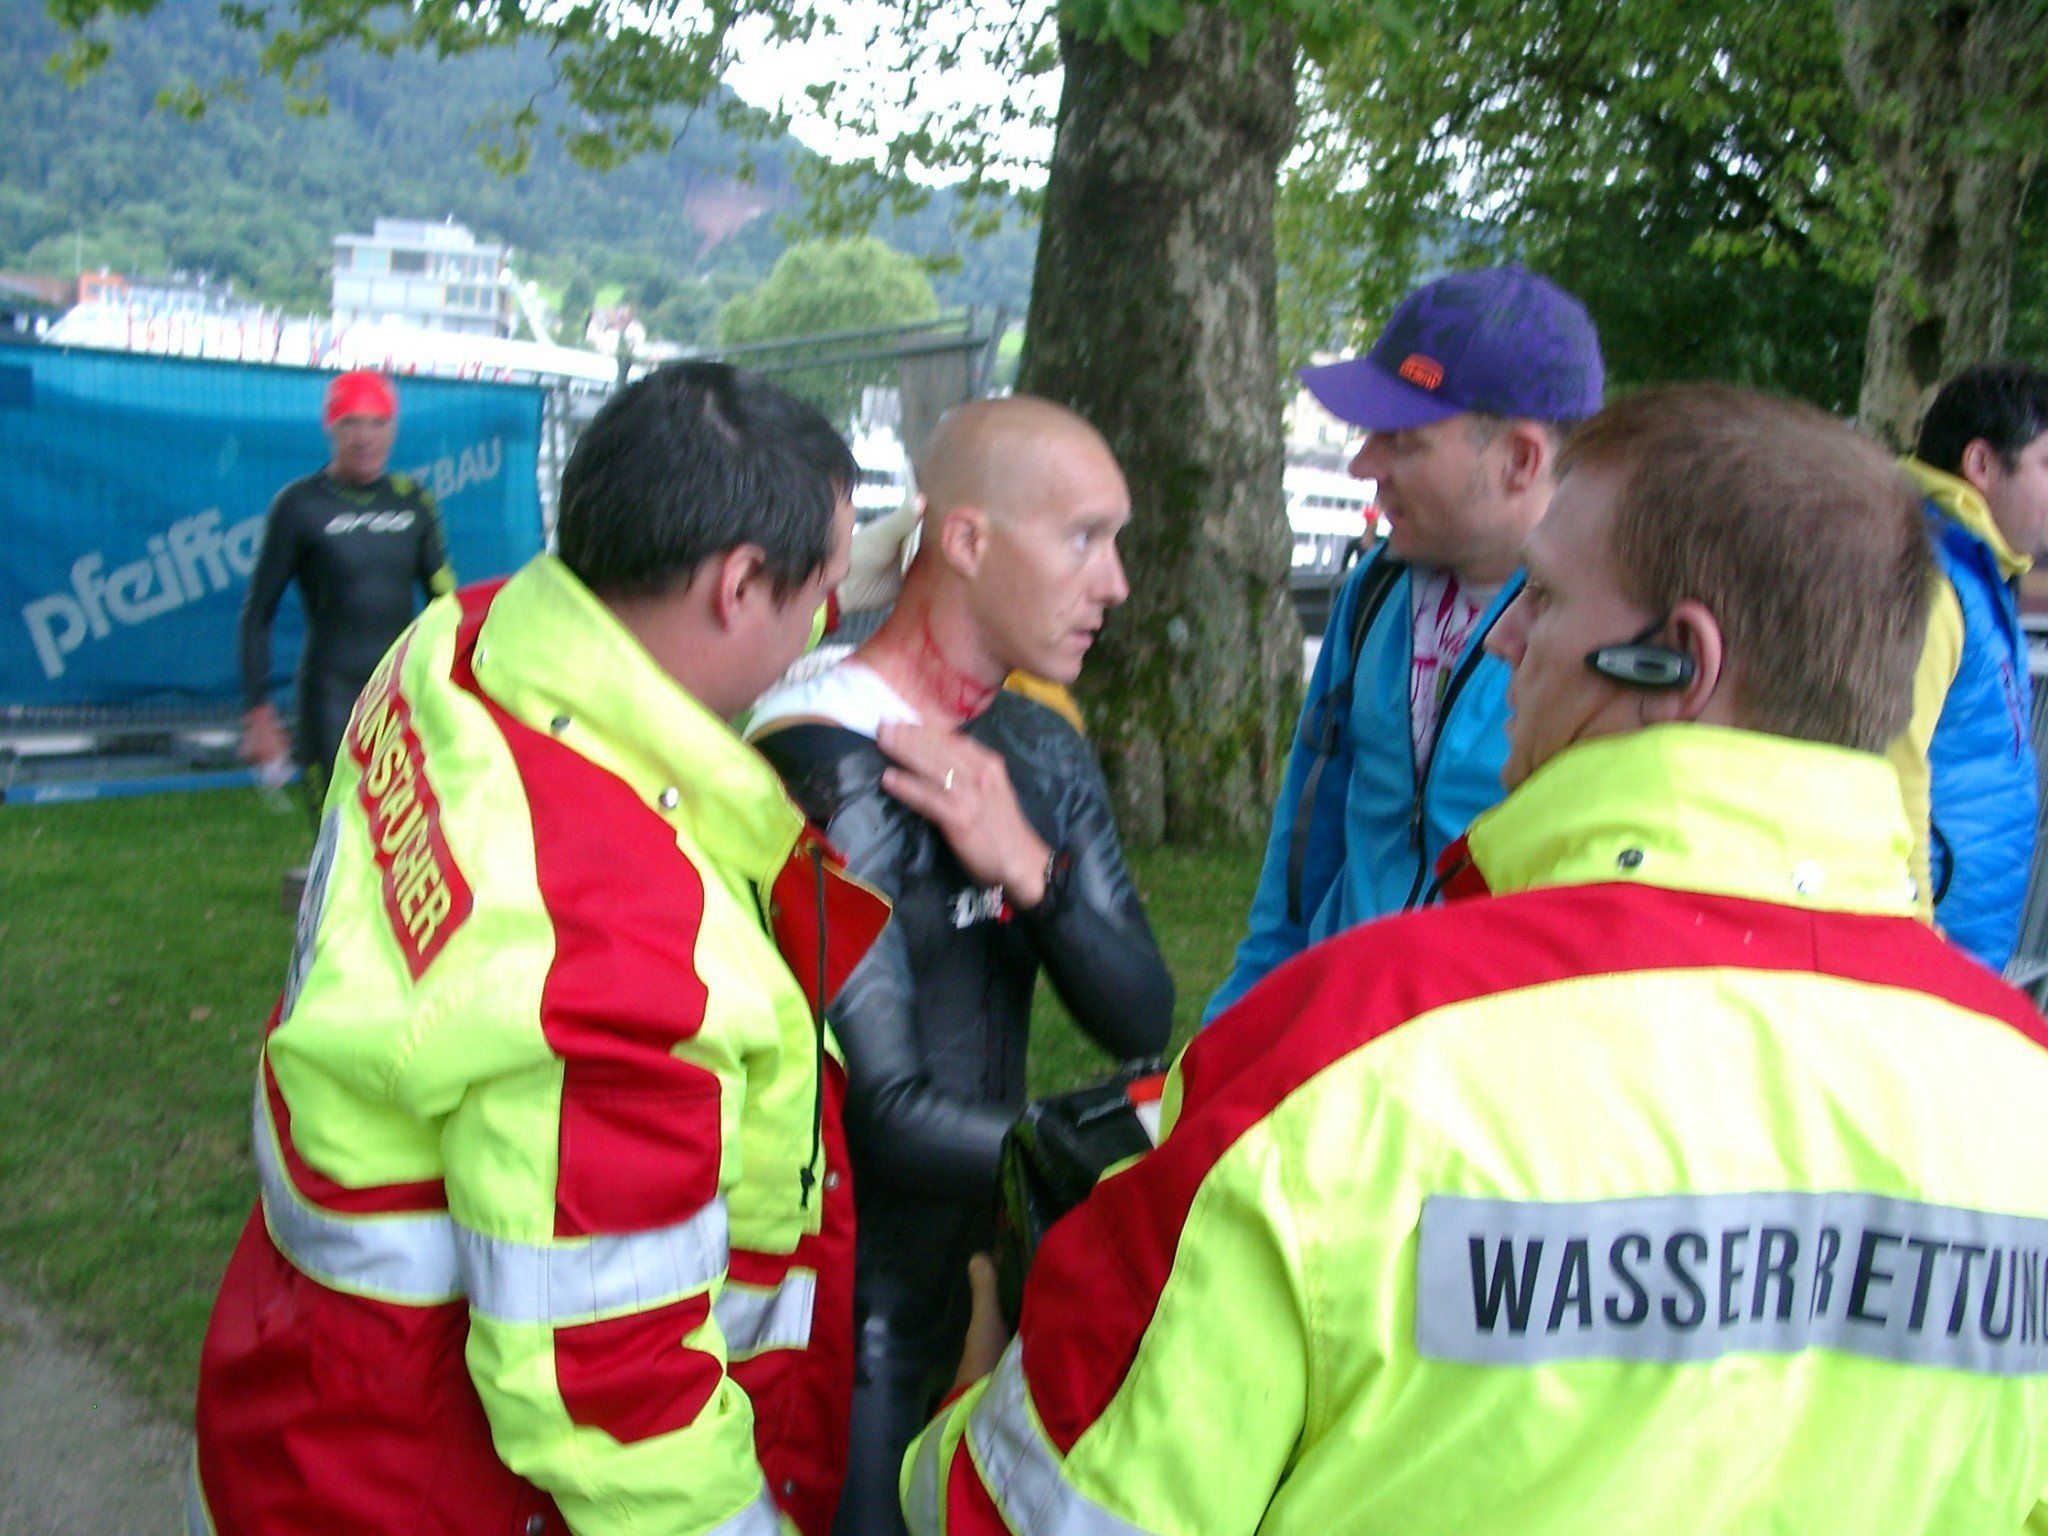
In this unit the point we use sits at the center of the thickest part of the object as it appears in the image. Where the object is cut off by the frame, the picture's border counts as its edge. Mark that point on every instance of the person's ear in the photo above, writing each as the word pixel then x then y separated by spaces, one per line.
pixel 962 538
pixel 1526 456
pixel 740 583
pixel 1694 630
pixel 1979 464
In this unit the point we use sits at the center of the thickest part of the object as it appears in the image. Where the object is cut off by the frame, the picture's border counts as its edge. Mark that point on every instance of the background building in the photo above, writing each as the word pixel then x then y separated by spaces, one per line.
pixel 436 276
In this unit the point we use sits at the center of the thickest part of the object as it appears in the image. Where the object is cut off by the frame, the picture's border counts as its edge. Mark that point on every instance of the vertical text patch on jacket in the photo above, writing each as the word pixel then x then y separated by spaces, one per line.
pixel 425 896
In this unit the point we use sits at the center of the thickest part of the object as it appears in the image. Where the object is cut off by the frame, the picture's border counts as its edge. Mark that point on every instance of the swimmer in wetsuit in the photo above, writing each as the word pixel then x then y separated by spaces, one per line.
pixel 983 817
pixel 358 542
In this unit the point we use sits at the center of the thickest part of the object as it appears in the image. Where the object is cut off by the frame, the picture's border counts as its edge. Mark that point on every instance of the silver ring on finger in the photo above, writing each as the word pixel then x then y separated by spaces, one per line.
pixel 946 784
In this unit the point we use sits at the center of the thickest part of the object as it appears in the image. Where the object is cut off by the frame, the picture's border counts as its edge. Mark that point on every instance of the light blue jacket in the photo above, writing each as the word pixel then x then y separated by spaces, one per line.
pixel 1374 834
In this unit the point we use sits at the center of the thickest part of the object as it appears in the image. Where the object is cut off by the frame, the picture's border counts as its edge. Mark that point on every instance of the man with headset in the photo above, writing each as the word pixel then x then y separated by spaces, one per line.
pixel 1465 400
pixel 1668 1176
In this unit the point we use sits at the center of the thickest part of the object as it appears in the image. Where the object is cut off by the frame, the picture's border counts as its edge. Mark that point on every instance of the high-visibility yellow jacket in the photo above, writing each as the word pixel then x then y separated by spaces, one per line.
pixel 552 1231
pixel 1689 1185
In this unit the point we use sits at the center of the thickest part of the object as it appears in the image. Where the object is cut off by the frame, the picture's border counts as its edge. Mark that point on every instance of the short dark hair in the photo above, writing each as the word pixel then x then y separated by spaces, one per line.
pixel 693 460
pixel 2005 404
pixel 1802 537
pixel 1485 428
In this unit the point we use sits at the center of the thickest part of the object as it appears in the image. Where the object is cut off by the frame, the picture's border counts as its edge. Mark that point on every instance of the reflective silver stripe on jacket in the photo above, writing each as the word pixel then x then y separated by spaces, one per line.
pixel 922 1499
pixel 403 1256
pixel 197 1521
pixel 1022 1470
pixel 760 1518
pixel 565 1282
pixel 754 1319
pixel 427 1259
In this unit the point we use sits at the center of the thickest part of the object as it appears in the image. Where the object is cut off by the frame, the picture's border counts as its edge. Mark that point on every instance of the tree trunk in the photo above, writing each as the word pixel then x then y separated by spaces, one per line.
pixel 1947 92
pixel 1153 315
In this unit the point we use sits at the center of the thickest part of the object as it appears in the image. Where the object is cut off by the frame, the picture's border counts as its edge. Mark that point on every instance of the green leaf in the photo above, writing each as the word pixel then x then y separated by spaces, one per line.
pixel 83 59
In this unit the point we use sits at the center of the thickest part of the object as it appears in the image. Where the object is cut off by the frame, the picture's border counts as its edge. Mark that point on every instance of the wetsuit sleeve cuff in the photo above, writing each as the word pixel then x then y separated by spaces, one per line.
pixel 1059 868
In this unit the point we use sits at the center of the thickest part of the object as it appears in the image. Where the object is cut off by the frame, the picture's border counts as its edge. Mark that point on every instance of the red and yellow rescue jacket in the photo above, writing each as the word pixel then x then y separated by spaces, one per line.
pixel 1688 1185
pixel 553 1232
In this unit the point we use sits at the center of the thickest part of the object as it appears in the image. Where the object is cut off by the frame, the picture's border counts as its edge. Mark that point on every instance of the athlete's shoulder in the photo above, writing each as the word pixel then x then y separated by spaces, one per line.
pixel 849 694
pixel 1033 735
pixel 312 490
pixel 406 488
pixel 828 769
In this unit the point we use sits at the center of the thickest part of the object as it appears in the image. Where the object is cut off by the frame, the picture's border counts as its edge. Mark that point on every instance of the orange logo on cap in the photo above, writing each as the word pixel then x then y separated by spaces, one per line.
pixel 1423 372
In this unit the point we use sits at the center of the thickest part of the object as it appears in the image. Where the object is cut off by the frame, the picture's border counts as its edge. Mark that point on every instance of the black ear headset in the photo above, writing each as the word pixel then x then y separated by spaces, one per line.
pixel 1639 663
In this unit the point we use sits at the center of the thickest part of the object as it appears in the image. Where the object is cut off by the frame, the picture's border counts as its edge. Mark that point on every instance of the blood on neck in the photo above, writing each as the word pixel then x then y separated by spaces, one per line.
pixel 920 666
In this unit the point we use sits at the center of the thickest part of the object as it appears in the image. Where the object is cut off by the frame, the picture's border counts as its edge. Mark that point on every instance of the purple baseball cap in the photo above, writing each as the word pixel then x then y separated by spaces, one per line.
pixel 1500 340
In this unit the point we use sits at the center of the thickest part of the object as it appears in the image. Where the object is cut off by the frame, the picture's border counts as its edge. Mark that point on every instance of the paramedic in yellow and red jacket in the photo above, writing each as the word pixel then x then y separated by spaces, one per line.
pixel 553 1234
pixel 1669 1178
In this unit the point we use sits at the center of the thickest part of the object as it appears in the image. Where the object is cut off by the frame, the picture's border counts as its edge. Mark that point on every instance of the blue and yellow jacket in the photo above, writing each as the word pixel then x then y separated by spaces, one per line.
pixel 1686 1185
pixel 1976 794
pixel 1375 829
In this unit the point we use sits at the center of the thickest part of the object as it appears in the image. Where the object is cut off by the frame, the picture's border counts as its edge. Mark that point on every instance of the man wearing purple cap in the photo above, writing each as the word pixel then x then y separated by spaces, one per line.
pixel 1464 400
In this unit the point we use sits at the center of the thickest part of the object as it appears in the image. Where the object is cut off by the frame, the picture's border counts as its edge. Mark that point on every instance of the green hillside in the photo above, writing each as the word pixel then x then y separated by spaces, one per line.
pixel 99 176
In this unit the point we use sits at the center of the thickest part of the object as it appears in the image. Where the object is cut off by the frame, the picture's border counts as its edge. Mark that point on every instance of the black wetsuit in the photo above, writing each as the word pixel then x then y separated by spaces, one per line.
pixel 357 552
pixel 934 1023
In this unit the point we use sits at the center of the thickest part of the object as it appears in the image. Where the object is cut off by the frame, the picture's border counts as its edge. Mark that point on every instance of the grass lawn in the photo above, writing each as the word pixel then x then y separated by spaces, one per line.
pixel 141 947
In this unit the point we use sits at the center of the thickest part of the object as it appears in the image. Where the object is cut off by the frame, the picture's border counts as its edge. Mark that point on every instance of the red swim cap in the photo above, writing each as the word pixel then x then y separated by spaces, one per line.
pixel 360 393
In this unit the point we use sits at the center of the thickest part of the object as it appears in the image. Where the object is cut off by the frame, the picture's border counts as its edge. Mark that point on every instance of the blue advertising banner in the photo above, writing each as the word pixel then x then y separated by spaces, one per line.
pixel 132 497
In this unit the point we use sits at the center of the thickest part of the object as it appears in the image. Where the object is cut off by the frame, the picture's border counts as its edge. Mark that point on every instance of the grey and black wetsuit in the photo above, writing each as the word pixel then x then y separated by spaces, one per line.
pixel 357 553
pixel 934 1025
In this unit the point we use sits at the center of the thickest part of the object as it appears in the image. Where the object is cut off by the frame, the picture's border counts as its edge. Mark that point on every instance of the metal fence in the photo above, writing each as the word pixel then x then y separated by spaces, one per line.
pixel 892 382
pixel 929 367
pixel 921 370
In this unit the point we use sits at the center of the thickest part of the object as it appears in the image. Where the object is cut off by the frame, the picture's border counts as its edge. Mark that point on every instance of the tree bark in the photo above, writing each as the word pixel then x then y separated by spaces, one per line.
pixel 1153 315
pixel 1947 92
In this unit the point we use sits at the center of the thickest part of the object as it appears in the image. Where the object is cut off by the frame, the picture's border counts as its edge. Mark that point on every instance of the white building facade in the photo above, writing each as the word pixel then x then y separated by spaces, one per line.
pixel 437 276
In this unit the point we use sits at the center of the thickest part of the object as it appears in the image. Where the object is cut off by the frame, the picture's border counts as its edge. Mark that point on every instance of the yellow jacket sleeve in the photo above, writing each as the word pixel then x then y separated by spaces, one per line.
pixel 1940 656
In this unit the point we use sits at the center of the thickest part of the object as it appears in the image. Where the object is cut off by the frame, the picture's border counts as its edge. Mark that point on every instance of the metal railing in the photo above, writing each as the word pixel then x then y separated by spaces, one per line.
pixel 922 370
pixel 928 367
